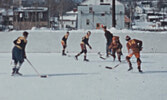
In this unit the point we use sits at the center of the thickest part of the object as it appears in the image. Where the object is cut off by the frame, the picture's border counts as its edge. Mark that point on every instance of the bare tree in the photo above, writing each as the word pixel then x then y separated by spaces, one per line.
pixel 59 7
pixel 161 4
pixel 6 5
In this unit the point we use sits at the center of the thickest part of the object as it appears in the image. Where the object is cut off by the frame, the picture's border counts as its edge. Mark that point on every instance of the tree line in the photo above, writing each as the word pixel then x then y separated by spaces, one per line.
pixel 56 7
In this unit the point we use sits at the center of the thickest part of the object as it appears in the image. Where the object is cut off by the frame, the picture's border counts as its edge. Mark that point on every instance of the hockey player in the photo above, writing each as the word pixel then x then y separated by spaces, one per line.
pixel 83 44
pixel 108 36
pixel 116 47
pixel 18 52
pixel 64 43
pixel 134 47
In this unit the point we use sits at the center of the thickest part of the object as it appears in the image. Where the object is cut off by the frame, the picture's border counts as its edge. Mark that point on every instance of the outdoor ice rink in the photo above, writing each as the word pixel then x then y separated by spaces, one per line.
pixel 69 79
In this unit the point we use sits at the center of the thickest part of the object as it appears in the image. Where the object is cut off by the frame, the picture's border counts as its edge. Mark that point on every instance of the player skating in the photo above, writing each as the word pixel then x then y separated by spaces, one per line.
pixel 134 47
pixel 18 52
pixel 64 43
pixel 108 36
pixel 116 47
pixel 83 44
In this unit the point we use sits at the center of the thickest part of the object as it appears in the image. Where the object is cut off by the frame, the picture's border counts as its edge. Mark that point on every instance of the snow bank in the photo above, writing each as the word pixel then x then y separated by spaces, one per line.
pixel 46 41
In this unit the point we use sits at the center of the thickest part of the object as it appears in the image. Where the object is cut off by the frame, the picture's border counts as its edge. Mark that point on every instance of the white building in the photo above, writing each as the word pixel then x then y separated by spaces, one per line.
pixel 68 21
pixel 146 4
pixel 6 18
pixel 138 10
pixel 92 14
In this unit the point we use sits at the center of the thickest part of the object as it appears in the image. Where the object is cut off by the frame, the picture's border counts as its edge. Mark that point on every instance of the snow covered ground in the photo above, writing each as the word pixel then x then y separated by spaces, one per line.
pixel 69 79
pixel 47 41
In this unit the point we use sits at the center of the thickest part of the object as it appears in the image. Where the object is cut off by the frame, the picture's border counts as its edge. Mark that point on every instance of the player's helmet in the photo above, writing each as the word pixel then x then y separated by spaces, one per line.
pixel 104 27
pixel 25 33
pixel 127 38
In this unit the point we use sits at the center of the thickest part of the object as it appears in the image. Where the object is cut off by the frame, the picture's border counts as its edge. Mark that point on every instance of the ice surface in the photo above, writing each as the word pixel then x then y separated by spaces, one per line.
pixel 69 79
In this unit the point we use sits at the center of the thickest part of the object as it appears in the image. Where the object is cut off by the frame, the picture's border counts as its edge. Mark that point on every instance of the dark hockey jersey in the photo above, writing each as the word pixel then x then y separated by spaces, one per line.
pixel 20 42
pixel 65 37
pixel 85 40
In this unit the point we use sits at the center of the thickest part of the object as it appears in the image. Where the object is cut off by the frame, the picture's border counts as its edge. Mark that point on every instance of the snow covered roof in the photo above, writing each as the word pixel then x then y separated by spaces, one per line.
pixel 98 2
pixel 69 17
pixel 2 10
pixel 147 8
pixel 71 12
pixel 32 9
pixel 5 12
pixel 154 17
pixel 163 20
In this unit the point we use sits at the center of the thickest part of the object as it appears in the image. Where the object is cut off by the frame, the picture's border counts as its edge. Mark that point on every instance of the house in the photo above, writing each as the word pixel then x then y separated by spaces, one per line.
pixel 6 19
pixel 154 17
pixel 28 17
pixel 92 14
pixel 69 20
pixel 1 19
pixel 54 25
pixel 146 4
pixel 138 10
pixel 163 22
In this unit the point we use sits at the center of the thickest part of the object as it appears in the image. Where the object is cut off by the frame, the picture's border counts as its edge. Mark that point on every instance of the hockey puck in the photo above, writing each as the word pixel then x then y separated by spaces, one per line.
pixel 44 76
pixel 108 67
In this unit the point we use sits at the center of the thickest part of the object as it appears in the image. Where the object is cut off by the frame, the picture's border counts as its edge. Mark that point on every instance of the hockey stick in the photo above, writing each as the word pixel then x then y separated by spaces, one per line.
pixel 42 76
pixel 113 66
pixel 100 56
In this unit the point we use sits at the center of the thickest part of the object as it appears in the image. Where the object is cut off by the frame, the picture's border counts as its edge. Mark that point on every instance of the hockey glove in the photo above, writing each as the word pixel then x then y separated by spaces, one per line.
pixel 90 47
pixel 140 48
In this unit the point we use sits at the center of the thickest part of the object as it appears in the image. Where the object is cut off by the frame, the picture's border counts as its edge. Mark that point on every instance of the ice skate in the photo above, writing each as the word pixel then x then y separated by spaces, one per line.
pixel 130 69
